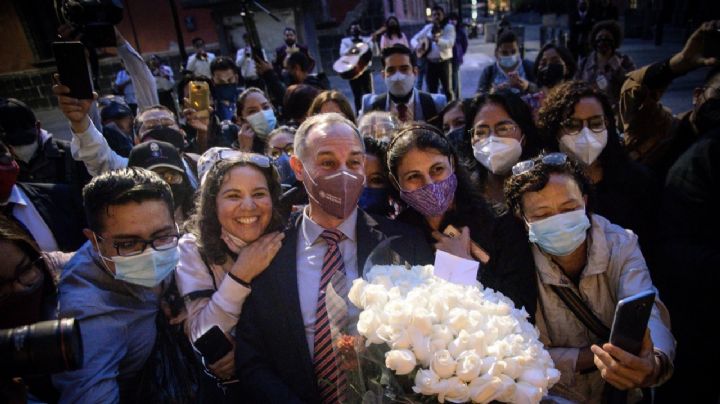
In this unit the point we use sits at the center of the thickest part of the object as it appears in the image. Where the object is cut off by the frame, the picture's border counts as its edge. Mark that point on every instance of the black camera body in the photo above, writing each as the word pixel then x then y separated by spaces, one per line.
pixel 41 348
pixel 94 19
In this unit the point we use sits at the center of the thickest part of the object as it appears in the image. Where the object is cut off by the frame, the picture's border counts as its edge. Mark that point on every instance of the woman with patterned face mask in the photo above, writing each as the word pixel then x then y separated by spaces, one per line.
pixel 501 133
pixel 440 200
pixel 232 238
pixel 577 119
pixel 578 252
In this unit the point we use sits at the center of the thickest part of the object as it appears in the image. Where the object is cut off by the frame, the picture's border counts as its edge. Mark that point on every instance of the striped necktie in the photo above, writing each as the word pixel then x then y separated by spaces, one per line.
pixel 331 317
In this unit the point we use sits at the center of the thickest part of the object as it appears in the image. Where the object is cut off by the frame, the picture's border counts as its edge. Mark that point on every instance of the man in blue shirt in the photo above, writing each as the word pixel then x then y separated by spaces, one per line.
pixel 112 284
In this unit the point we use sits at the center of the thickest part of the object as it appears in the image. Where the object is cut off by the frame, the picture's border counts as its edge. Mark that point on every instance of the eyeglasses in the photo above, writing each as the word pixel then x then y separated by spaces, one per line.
pixel 573 126
pixel 172 177
pixel 254 158
pixel 129 248
pixel 502 129
pixel 276 152
pixel 552 159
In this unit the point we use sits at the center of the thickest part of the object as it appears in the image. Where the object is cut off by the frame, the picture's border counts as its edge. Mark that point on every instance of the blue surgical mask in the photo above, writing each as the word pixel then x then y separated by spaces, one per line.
pixel 262 122
pixel 375 200
pixel 508 61
pixel 147 269
pixel 561 234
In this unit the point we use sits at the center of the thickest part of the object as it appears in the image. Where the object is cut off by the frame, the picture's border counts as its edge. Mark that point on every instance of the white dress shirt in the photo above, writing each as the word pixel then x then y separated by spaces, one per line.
pixel 25 212
pixel 311 250
pixel 440 50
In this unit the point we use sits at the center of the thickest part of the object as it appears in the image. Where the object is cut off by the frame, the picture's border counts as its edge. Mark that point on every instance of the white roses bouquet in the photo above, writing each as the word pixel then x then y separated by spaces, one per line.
pixel 458 343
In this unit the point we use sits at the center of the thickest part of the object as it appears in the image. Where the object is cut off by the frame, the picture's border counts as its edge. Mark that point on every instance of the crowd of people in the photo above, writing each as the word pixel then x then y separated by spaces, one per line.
pixel 169 215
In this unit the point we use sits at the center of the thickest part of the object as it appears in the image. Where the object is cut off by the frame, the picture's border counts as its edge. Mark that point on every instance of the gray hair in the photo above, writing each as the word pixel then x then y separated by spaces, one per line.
pixel 327 119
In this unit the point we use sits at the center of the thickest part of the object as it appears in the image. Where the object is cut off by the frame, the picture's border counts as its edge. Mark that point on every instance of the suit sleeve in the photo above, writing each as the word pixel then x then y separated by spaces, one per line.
pixel 260 383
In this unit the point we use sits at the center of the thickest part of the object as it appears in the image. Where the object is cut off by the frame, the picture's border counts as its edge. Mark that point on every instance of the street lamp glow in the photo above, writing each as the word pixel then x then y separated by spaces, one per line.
pixel 428 12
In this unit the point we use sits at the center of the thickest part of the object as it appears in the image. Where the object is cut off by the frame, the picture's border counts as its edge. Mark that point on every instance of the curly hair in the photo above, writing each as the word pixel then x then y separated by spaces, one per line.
pixel 537 177
pixel 205 224
pixel 335 96
pixel 612 27
pixel 560 105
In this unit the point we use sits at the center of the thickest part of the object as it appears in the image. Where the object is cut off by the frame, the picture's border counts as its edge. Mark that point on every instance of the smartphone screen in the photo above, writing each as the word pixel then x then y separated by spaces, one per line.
pixel 73 68
pixel 631 319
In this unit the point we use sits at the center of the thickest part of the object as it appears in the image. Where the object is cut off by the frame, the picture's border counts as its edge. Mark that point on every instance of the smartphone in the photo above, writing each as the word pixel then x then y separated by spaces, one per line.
pixel 200 97
pixel 74 69
pixel 711 44
pixel 631 319
pixel 213 345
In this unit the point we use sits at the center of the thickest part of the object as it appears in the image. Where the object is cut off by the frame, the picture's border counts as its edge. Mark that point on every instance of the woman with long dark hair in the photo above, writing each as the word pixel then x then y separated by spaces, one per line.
pixel 392 35
pixel 440 200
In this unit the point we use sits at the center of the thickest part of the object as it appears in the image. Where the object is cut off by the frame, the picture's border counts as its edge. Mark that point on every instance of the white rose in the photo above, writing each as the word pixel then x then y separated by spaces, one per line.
pixel 456 391
pixel 526 393
pixel 378 270
pixel 397 313
pixel 401 361
pixel 513 367
pixel 418 298
pixel 460 344
pixel 374 296
pixel 426 382
pixel 420 346
pixel 497 368
pixel 534 376
pixel 553 376
pixel 422 320
pixel 443 364
pixel 367 326
pixel 356 292
pixel 395 337
pixel 487 363
pixel 458 319
pixel 483 388
pixel 468 366
pixel 507 389
pixel 441 337
pixel 478 343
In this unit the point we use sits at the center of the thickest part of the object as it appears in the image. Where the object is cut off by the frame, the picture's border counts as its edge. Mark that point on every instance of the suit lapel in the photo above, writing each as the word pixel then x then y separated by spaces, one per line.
pixel 368 236
pixel 287 295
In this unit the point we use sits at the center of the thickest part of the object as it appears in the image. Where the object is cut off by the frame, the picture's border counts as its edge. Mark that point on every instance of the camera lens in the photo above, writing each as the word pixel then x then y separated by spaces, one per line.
pixel 41 348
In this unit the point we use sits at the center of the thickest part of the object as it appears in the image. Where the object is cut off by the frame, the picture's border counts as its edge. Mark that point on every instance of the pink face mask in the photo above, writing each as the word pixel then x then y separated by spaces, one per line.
pixel 432 199
pixel 337 193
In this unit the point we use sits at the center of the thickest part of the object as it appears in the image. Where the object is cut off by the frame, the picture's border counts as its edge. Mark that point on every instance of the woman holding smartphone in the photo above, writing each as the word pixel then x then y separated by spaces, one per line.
pixel 232 238
pixel 581 254
pixel 441 201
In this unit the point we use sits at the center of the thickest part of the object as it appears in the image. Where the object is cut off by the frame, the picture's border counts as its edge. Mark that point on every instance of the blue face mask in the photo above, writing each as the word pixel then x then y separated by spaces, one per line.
pixel 262 122
pixel 282 165
pixel 508 61
pixel 147 269
pixel 225 101
pixel 561 234
pixel 375 200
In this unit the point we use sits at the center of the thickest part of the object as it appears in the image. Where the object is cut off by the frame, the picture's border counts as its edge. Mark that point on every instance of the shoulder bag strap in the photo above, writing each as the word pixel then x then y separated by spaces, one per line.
pixel 582 312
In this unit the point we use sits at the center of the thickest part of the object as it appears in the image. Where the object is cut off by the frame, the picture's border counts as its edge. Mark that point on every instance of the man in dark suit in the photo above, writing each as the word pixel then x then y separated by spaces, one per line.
pixel 283 332
pixel 283 51
pixel 50 213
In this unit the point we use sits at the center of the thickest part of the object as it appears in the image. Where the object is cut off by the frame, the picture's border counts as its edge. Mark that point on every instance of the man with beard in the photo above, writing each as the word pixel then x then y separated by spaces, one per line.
pixel 403 99
pixel 283 51
pixel 362 84
pixel 653 135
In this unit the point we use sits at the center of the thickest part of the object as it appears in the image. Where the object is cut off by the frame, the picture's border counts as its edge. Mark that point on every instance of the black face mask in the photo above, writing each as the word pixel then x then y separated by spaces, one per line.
pixel 603 45
pixel 551 74
pixel 707 116
pixel 289 42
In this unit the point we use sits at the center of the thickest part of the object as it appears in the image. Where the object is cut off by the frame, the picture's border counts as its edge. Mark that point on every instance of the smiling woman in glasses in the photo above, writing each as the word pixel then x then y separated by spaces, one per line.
pixel 578 120
pixel 580 253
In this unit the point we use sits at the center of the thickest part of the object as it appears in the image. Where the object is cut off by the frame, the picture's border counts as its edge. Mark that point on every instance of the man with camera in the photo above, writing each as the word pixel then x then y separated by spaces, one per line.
pixel 112 284
pixel 199 62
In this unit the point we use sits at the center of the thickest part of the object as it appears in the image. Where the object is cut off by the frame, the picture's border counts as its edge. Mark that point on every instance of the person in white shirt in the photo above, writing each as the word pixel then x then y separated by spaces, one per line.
pixel 438 38
pixel 362 84
pixel 199 62
pixel 246 63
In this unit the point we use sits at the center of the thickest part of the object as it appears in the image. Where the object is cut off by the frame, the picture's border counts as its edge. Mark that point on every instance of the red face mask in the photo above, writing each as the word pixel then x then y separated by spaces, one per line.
pixel 8 178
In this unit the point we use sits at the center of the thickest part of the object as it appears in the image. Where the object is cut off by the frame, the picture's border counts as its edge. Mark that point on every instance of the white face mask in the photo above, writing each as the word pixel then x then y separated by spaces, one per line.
pixel 497 154
pixel 25 152
pixel 508 61
pixel 400 84
pixel 586 146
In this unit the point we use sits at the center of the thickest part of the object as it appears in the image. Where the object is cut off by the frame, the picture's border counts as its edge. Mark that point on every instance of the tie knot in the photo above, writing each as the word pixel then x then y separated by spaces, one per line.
pixel 332 236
